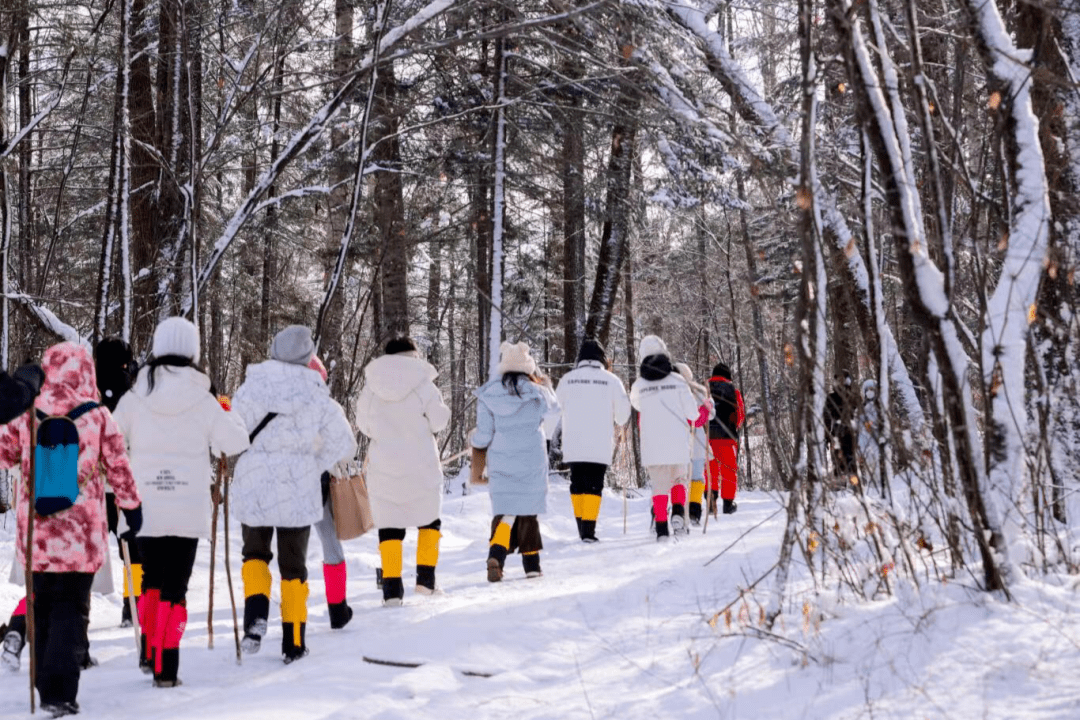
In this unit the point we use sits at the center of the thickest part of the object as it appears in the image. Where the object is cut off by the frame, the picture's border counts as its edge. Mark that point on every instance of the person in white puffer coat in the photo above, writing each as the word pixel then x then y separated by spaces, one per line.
pixel 593 402
pixel 667 410
pixel 401 410
pixel 171 424
pixel 298 431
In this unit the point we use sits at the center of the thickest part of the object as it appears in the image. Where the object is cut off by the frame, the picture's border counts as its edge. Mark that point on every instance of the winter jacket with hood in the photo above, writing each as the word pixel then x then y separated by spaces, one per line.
pixel 730 411
pixel 593 402
pixel 71 540
pixel 171 433
pixel 401 409
pixel 667 409
pixel 277 481
pixel 514 429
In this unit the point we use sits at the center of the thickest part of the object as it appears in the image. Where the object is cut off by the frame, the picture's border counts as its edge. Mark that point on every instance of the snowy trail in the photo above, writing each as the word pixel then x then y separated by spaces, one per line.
pixel 613 630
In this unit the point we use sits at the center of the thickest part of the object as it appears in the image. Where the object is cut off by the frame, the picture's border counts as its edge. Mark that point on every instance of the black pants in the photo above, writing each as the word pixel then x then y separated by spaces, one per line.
pixel 292 546
pixel 587 478
pixel 61 616
pixel 167 564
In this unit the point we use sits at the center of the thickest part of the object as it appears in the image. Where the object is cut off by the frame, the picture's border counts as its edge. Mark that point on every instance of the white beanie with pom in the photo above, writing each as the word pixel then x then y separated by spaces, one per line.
pixel 515 358
pixel 176 336
pixel 652 345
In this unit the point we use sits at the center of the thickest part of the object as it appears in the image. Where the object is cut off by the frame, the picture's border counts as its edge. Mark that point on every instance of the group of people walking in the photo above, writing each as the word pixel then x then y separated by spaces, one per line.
pixel 148 441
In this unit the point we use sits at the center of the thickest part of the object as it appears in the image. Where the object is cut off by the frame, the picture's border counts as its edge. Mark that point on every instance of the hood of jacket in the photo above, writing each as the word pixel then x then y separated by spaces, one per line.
pixel 69 379
pixel 656 367
pixel 501 401
pixel 176 389
pixel 393 377
pixel 283 388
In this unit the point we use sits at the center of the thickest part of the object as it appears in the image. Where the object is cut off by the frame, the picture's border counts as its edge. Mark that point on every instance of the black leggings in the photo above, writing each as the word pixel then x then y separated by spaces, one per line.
pixel 167 565
pixel 292 546
pixel 587 478
pixel 61 616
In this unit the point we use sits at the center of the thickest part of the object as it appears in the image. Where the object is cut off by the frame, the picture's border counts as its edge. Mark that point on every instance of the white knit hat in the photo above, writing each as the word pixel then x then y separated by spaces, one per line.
pixel 515 358
pixel 176 336
pixel 652 345
pixel 688 375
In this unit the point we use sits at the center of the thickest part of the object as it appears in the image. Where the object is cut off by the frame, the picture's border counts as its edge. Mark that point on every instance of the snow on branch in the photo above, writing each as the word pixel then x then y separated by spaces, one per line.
pixel 48 319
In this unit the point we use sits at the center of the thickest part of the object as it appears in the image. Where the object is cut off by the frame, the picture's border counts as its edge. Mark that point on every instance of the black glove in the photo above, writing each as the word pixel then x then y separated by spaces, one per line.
pixel 17 392
pixel 133 518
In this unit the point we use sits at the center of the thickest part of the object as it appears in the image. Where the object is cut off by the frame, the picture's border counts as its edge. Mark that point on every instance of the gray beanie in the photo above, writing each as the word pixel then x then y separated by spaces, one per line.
pixel 293 345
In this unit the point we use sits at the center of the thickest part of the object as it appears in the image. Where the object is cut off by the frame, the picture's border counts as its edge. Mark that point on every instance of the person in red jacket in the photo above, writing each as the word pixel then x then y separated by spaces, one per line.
pixel 724 439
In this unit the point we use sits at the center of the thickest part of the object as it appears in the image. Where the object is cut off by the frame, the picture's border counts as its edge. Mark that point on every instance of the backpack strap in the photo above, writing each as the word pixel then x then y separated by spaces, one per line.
pixel 259 428
pixel 82 410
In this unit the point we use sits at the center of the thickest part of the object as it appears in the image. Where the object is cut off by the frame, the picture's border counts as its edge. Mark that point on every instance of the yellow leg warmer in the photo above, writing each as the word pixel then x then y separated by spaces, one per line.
pixel 697 491
pixel 390 550
pixel 575 500
pixel 502 535
pixel 590 507
pixel 294 596
pixel 136 577
pixel 427 547
pixel 257 579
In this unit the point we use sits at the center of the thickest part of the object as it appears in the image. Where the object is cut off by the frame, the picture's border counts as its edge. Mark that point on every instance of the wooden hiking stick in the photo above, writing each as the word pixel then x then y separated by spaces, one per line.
pixel 228 576
pixel 213 551
pixel 32 494
pixel 129 576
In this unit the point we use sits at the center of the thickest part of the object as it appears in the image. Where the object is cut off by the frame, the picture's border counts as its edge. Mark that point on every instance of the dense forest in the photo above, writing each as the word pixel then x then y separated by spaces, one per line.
pixel 820 194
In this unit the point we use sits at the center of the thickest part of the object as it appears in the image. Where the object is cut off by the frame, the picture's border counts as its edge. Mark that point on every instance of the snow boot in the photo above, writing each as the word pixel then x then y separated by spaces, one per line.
pixel 531 563
pixel 13 638
pixel 662 531
pixel 148 610
pixel 393 588
pixel 677 525
pixel 730 506
pixel 498 549
pixel 137 578
pixel 294 596
pixel 172 621
pixel 590 511
pixel 335 577
pixel 256 574
pixel 60 709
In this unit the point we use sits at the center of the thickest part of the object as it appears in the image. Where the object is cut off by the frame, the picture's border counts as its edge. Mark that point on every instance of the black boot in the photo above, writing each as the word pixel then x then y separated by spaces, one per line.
pixel 531 563
pixel 125 614
pixel 661 530
pixel 290 651
pixel 730 507
pixel 393 591
pixel 340 615
pixel 695 514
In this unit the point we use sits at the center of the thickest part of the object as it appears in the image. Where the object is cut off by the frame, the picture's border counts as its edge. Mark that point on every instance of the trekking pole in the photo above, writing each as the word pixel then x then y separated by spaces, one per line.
pixel 125 552
pixel 213 551
pixel 228 574
pixel 32 494
pixel 709 459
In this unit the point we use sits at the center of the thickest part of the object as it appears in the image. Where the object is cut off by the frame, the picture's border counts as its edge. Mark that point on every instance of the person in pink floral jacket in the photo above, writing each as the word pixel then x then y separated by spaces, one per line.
pixel 70 545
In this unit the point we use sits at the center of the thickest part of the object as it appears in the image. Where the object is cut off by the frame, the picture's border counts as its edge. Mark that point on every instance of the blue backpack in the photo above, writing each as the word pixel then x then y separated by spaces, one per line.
pixel 56 460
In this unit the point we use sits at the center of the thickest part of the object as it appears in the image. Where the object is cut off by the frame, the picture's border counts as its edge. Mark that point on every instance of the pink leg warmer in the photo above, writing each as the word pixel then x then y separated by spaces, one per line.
pixel 335 577
pixel 678 494
pixel 659 503
pixel 174 627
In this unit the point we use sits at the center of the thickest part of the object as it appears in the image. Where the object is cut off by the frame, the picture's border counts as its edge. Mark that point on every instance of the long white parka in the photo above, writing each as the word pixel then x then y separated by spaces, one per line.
pixel 401 409
pixel 277 481
pixel 170 434
pixel 666 407
pixel 593 402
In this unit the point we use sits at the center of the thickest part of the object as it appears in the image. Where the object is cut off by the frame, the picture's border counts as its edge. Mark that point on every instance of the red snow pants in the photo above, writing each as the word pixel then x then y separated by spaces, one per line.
pixel 723 468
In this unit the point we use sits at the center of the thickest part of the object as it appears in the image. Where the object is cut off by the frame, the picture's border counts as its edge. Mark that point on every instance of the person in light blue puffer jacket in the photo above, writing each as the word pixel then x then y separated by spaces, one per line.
pixel 515 414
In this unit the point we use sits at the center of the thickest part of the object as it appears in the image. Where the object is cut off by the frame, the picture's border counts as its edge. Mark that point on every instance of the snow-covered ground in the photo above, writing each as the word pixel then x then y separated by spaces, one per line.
pixel 619 629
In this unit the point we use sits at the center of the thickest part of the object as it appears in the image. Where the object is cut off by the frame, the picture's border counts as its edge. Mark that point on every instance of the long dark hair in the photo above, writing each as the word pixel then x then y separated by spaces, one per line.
pixel 511 380
pixel 169 361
